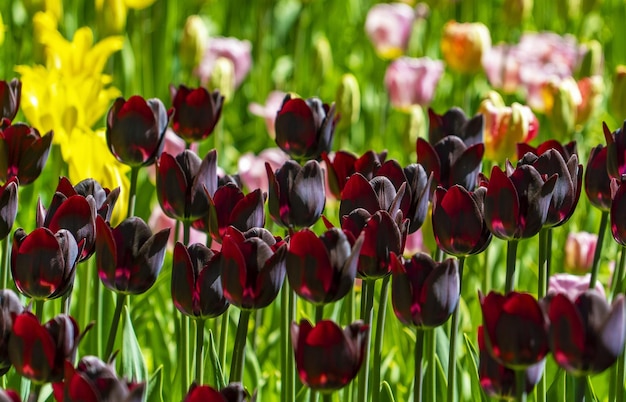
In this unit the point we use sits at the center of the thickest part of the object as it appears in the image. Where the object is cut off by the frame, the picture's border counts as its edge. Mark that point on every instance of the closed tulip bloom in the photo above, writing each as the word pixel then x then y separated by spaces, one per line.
pixel 377 194
pixel 616 151
pixel 579 251
pixel 8 206
pixel 388 27
pixel 43 263
pixel 136 130
pixel 566 150
pixel 459 222
pixel 617 213
pixel 233 392
pixel 234 50
pixel 23 152
pixel 597 179
pixel 617 101
pixel 305 128
pixel 454 122
pixel 516 329
pixel 463 45
pixel 129 257
pixel 10 306
pixel 344 164
pixel 196 282
pixel 10 94
pixel 327 357
pixel 104 197
pixel 586 334
pixel 411 81
pixel 297 194
pixel 196 112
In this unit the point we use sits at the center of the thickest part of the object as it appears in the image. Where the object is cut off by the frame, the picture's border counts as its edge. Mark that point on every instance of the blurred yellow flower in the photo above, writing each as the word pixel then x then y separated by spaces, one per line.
pixel 134 4
pixel 463 45
pixel 112 14
pixel 2 28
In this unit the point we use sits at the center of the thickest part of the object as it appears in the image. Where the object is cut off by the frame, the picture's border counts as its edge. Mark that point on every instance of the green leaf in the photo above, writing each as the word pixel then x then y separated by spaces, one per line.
pixel 133 363
pixel 556 391
pixel 155 386
pixel 385 393
pixel 471 362
pixel 214 376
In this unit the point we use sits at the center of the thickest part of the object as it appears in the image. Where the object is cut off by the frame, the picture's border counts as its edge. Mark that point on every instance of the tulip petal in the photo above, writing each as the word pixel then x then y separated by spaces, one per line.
pixel 358 193
pixel 502 206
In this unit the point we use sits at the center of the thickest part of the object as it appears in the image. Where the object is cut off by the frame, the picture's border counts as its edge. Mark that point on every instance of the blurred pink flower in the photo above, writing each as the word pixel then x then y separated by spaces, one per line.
pixel 158 221
pixel 268 111
pixel 415 243
pixel 173 145
pixel 411 81
pixel 252 167
pixel 389 28
pixel 571 285
pixel 579 250
pixel 237 51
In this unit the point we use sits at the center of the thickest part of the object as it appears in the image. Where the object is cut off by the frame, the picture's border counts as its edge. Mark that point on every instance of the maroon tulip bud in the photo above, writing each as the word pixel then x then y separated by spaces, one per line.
pixel 196 112
pixel 184 184
pixel 377 194
pixel 516 329
pixel 616 151
pixel 233 392
pixel 10 95
pixel 345 164
pixel 454 122
pixel 424 293
pixel 297 194
pixel 322 269
pixel 23 152
pixel 327 357
pixel 566 150
pixel 10 306
pixel 597 179
pixel 136 130
pixel 617 213
pixel 105 199
pixel 9 396
pixel 129 257
pixel 305 128
pixel 196 282
pixel 38 352
pixel 8 206
pixel 43 263
pixel 253 268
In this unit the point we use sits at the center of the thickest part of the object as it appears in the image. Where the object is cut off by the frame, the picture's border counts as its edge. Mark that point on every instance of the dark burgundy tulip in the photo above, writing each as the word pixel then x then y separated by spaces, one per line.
pixel 196 282
pixel 327 357
pixel 586 334
pixel 616 151
pixel 253 267
pixel 566 150
pixel 568 184
pixel 129 257
pixel 498 381
pixel 196 112
pixel 38 352
pixel 345 164
pixel 9 396
pixel 135 130
pixel 516 329
pixel 322 269
pixel 517 202
pixel 8 206
pixel 25 152
pixel 184 184
pixel 104 198
pixel 297 194
pixel 377 194
pixel 43 263
pixel 233 392
pixel 424 293
pixel 454 122
pixel 10 306
pixel 95 381
pixel 458 221
pixel 10 95
pixel 305 128
pixel 617 212
pixel 597 179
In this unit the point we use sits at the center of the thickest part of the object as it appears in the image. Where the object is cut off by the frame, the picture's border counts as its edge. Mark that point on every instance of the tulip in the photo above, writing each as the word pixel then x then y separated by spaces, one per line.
pixel 23 152
pixel 196 112
pixel 616 151
pixel 411 81
pixel 10 94
pixel 296 194
pixel 233 392
pixel 562 99
pixel 617 101
pixel 8 206
pixel 136 130
pixel 238 52
pixel 196 282
pixel 9 395
pixel 592 93
pixel 388 27
pixel 597 179
pixel 566 150
pixel 579 251
pixel 328 358
pixel 129 257
pixel 348 100
pixel 252 167
pixel 269 111
pixel 105 199
pixel 345 164
pixel 571 285
pixel 454 122
pixel 38 352
pixel 378 194
pixel 10 306
pixel 586 334
pixel 193 42
pixel 459 222
pixel 43 263
pixel 463 45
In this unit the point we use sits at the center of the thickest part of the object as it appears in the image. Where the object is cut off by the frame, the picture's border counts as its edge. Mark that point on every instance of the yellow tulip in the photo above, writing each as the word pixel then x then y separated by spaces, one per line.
pixel 463 45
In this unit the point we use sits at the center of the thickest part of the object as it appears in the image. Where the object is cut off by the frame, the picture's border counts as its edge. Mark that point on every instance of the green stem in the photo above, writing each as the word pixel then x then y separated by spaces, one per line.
pixel 327 397
pixel 285 334
pixel 199 349
pixel 511 256
pixel 121 299
pixel 35 389
pixel 617 282
pixel 6 247
pixel 319 313
pixel 291 369
pixel 487 272
pixel 598 252
pixel 612 382
pixel 183 353
pixel 520 385
pixel 224 337
pixel 581 387
pixel 454 329
pixel 239 350
pixel 39 309
pixel 431 379
pixel 378 341
pixel 419 366
pixel 542 288
pixel 132 195
pixel 366 316
pixel 619 386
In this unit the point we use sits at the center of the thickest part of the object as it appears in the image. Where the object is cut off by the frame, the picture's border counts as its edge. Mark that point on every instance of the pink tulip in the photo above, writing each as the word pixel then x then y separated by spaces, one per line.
pixel 268 111
pixel 159 221
pixel 571 285
pixel 252 167
pixel 411 81
pixel 389 28
pixel 237 51
pixel 579 250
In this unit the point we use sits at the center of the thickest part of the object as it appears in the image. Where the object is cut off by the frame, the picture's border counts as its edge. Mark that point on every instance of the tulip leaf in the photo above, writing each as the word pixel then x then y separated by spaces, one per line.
pixel 155 386
pixel 590 394
pixel 133 363
pixel 214 375
pixel 385 393
pixel 556 392
pixel 442 380
pixel 471 362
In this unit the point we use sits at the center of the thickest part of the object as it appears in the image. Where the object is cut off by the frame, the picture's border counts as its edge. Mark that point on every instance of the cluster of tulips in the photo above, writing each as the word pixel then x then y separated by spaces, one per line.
pixel 381 203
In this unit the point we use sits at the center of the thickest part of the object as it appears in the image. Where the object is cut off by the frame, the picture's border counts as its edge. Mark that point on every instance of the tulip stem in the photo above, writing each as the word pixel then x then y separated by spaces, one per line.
pixel 454 329
pixel 291 370
pixel 39 310
pixel 369 286
pixel 580 384
pixel 5 262
pixel 511 257
pixel 419 366
pixel 618 281
pixel 121 300
pixel 598 252
pixel 378 341
pixel 285 326
pixel 132 195
pixel 520 385
pixel 35 389
pixel 327 397
pixel 239 350
pixel 183 353
pixel 619 386
pixel 199 349
pixel 431 379
pixel 542 287
pixel 319 313
pixel 224 337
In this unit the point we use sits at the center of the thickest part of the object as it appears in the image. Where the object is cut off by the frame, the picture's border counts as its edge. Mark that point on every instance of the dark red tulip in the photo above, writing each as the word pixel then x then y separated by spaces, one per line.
pixel 327 357
pixel 9 396
pixel 424 293
pixel 43 263
pixel 586 334
pixel 296 194
pixel 566 150
pixel 517 202
pixel 196 282
pixel 345 164
pixel 184 184
pixel 135 130
pixel 616 151
pixel 196 112
pixel 305 128
pixel 10 306
pixel 377 194
pixel 253 268
pixel 233 392
pixel 129 257
pixel 38 352
pixel 25 152
pixel 617 213
pixel 8 206
pixel 322 269
pixel 104 198
pixel 454 122
pixel 597 179
pixel 10 95
pixel 459 222
pixel 516 329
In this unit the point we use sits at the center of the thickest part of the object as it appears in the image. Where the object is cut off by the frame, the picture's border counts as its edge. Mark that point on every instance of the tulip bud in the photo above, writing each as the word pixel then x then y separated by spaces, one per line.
pixel 618 96
pixel 417 123
pixel 464 44
pixel 8 206
pixel 112 17
pixel 223 78
pixel 323 56
pixel 579 250
pixel 10 306
pixel 388 27
pixel 193 42
pixel 562 100
pixel 592 61
pixel 410 81
pixel 10 96
pixel 592 91
pixel 348 101
pixel 517 11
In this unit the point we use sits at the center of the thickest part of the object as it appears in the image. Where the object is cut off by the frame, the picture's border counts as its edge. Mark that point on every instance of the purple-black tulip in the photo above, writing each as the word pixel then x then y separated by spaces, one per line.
pixel 566 150
pixel 344 165
pixel 616 151
pixel 233 392
pixel 23 152
pixel 597 179
pixel 8 206
pixel 377 194
pixel 104 198
pixel 129 257
pixel 10 306
pixel 196 112
pixel 617 212
pixel 456 123
pixel 10 96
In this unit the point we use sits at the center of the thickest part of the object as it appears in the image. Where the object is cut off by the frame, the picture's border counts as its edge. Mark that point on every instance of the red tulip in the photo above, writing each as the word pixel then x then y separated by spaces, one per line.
pixel 25 152
pixel 196 112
